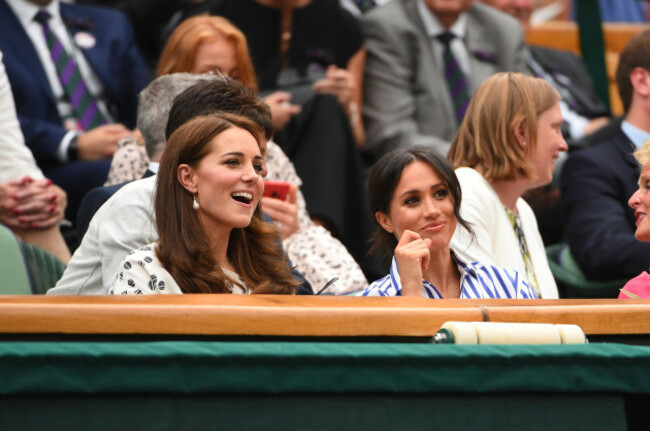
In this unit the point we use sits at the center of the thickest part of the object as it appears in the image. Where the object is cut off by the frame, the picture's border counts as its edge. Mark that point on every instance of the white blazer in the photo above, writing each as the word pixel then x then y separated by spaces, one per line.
pixel 495 242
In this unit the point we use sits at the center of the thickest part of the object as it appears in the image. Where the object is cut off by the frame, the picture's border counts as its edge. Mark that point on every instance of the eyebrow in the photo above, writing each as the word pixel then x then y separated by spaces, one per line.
pixel 417 191
pixel 240 154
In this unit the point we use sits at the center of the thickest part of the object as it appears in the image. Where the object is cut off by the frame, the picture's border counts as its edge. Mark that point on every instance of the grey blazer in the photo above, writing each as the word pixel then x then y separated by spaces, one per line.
pixel 406 101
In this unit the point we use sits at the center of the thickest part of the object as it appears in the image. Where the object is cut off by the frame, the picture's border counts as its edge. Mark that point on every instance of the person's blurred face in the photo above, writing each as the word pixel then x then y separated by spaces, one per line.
pixel 217 55
pixel 520 9
pixel 448 6
pixel 550 144
pixel 40 2
pixel 640 202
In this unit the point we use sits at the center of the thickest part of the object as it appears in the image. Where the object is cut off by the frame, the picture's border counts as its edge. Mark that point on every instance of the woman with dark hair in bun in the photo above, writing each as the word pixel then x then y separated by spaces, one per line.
pixel 415 197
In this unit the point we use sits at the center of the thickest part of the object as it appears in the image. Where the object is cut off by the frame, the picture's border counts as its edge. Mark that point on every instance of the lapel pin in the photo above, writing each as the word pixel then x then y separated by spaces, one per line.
pixel 84 40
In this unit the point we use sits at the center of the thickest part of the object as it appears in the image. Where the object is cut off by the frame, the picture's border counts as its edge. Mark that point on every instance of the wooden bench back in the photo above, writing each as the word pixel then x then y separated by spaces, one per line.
pixel 266 315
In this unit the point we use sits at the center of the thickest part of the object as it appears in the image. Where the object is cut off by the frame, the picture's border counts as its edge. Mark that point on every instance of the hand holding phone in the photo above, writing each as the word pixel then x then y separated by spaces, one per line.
pixel 276 189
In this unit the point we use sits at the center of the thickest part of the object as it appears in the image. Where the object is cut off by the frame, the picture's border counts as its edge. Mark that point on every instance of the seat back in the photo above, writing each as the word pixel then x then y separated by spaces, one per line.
pixel 13 272
pixel 571 281
pixel 43 268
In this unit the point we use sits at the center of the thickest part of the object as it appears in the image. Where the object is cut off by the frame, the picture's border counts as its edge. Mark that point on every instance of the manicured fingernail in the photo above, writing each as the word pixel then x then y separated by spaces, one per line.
pixel 21 219
pixel 16 211
pixel 14 197
pixel 52 208
pixel 34 224
pixel 48 183
pixel 53 198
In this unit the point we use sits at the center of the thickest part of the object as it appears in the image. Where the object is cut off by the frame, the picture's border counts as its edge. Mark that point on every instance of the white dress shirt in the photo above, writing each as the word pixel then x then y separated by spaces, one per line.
pixel 434 28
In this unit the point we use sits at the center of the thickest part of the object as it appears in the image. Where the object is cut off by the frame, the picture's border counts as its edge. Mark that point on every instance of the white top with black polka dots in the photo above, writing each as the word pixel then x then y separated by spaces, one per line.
pixel 141 273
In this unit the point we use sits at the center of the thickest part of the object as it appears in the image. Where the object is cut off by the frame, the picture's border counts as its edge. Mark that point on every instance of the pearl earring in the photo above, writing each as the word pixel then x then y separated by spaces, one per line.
pixel 195 204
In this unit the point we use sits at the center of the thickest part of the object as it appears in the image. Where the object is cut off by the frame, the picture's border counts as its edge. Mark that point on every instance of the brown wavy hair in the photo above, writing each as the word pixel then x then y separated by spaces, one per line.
pixel 179 52
pixel 486 137
pixel 183 246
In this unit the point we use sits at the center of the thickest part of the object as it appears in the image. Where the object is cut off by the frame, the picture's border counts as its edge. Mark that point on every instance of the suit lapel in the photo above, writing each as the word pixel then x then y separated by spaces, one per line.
pixel 94 55
pixel 24 49
pixel 425 55
pixel 480 48
pixel 627 148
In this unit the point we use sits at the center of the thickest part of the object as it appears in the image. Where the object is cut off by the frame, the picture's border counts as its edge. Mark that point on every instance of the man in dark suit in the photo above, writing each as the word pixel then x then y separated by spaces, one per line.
pixel 597 182
pixel 582 111
pixel 100 53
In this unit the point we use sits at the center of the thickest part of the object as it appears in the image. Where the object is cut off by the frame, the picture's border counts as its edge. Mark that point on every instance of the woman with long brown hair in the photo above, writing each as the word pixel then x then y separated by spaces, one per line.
pixel 204 44
pixel 212 237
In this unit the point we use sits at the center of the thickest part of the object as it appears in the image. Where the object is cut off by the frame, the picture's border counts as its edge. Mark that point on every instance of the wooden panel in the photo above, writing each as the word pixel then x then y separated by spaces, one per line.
pixel 557 34
pixel 593 319
pixel 564 35
pixel 301 316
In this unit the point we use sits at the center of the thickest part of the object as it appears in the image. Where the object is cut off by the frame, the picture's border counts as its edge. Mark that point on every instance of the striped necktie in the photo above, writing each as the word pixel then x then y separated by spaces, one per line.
pixel 74 87
pixel 454 76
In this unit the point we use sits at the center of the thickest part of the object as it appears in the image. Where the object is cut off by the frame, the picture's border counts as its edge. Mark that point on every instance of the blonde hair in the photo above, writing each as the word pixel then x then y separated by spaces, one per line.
pixel 642 155
pixel 180 50
pixel 486 138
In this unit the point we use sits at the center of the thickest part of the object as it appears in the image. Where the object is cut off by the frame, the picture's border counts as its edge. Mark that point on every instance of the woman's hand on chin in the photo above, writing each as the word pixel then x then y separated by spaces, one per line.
pixel 412 256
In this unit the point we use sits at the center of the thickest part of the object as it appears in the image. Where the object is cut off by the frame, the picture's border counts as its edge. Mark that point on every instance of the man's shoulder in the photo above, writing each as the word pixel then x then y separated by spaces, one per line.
pixel 556 55
pixel 392 14
pixel 94 13
pixel 492 18
pixel 602 147
pixel 139 193
pixel 141 187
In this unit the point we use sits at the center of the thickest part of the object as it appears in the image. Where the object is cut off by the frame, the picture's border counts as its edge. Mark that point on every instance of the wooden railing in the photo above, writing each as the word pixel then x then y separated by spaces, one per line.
pixel 564 35
pixel 225 315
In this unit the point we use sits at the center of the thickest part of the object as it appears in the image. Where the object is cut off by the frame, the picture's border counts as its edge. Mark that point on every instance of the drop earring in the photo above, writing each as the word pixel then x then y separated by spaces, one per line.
pixel 195 204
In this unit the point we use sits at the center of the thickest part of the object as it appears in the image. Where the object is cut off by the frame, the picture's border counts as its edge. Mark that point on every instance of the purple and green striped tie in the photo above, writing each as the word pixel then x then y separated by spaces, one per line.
pixel 74 87
pixel 454 76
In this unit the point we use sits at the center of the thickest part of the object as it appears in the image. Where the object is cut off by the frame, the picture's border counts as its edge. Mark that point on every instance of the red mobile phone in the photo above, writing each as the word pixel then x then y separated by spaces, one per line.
pixel 276 189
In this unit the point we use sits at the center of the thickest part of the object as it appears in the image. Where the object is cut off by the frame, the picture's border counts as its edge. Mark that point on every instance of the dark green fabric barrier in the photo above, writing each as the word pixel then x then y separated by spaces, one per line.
pixel 194 367
pixel 593 45
pixel 529 412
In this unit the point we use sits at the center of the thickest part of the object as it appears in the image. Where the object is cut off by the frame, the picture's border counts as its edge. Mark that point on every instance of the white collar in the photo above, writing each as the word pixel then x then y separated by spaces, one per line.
pixel 433 27
pixel 153 167
pixel 26 11
pixel 636 135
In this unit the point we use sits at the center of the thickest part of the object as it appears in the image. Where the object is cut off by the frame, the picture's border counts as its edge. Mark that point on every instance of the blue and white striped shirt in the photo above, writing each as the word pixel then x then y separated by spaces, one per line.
pixel 477 280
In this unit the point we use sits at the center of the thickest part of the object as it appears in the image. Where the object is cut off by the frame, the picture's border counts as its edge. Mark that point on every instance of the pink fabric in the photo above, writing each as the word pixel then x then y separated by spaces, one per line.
pixel 639 286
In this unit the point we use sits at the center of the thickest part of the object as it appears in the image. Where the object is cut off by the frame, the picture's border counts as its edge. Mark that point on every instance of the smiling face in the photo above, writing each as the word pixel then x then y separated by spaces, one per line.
pixel 550 144
pixel 423 204
pixel 227 182
pixel 640 202
pixel 216 55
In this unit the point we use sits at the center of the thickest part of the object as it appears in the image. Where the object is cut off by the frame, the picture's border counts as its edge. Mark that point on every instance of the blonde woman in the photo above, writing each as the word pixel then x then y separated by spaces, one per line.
pixel 508 143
